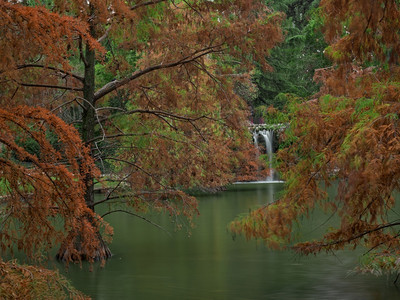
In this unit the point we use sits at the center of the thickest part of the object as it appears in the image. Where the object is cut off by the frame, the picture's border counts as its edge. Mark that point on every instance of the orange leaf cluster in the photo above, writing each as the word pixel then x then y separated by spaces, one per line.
pixel 30 32
pixel 43 193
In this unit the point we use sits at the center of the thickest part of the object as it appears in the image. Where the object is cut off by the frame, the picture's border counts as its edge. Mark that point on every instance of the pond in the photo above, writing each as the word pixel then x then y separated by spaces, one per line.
pixel 151 264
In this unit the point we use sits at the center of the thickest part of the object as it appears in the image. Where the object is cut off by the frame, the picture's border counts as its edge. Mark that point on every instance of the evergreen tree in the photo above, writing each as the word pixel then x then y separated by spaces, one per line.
pixel 293 61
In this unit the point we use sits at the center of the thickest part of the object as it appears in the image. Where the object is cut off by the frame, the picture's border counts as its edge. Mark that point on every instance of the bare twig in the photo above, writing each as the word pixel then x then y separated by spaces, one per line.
pixel 136 215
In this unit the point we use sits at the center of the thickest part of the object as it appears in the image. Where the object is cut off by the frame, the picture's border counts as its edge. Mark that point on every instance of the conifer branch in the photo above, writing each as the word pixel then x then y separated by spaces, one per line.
pixel 50 86
pixel 348 240
pixel 147 4
pixel 80 78
pixel 113 85
pixel 158 113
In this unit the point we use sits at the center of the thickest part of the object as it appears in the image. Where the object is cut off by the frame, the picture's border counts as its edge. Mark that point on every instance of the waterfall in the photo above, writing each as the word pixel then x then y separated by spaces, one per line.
pixel 268 136
pixel 266 133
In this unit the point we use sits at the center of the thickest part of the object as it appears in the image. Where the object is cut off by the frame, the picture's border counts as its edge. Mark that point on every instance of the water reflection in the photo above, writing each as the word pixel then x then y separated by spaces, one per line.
pixel 149 264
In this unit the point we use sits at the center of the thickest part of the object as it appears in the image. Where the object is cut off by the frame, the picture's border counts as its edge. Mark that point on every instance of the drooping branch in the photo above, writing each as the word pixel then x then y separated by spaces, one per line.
pixel 312 247
pixel 164 115
pixel 49 185
pixel 136 215
pixel 139 194
pixel 113 85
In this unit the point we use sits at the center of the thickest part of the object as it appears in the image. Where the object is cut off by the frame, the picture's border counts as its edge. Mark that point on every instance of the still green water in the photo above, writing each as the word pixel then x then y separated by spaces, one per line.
pixel 150 264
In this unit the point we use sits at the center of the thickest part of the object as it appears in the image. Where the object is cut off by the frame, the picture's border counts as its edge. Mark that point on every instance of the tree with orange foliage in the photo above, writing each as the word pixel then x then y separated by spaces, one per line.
pixel 41 194
pixel 149 88
pixel 349 136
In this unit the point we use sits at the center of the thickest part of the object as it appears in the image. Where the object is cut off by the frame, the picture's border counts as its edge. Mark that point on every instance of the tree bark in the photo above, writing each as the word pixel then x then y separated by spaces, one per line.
pixel 88 116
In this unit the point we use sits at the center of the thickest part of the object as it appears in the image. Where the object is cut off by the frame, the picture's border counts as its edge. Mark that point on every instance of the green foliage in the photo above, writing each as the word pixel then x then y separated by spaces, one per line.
pixel 295 60
pixel 33 147
pixel 103 75
pixel 3 187
pixel 46 3
pixel 270 115
pixel 117 64
pixel 30 145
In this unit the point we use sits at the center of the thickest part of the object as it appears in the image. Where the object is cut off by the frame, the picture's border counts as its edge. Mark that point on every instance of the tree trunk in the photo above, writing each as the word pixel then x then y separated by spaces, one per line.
pixel 88 117
pixel 88 133
pixel 102 253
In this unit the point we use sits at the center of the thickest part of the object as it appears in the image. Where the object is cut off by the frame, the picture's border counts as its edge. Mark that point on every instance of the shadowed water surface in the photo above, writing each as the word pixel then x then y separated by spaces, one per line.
pixel 150 264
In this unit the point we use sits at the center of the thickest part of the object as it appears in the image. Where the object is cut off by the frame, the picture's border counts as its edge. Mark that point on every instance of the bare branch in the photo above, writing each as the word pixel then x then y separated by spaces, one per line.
pixel 136 215
pixel 105 35
pixel 66 103
pixel 194 9
pixel 109 193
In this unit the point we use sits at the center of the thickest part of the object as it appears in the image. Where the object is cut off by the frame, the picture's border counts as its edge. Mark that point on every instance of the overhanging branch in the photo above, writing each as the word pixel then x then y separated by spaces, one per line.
pixel 136 215
pixel 354 237
pixel 113 85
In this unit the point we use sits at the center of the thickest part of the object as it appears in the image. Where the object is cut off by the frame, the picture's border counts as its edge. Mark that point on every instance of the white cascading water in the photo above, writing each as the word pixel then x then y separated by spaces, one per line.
pixel 268 136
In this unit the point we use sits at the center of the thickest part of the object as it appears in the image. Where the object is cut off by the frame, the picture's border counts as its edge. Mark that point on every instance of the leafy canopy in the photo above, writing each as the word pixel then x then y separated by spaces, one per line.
pixel 293 61
pixel 141 89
